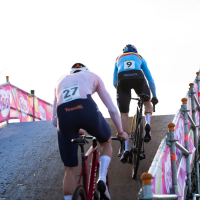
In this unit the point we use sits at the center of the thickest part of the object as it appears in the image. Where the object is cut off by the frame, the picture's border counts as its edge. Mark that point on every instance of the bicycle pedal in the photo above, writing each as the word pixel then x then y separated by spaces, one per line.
pixel 143 156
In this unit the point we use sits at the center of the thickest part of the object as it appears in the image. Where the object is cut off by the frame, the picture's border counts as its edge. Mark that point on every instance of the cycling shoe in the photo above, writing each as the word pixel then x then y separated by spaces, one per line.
pixel 124 157
pixel 147 136
pixel 103 190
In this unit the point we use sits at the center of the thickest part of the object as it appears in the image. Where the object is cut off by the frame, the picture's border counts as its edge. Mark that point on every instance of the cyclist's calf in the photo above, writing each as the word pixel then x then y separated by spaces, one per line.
pixel 69 181
pixel 106 148
pixel 148 107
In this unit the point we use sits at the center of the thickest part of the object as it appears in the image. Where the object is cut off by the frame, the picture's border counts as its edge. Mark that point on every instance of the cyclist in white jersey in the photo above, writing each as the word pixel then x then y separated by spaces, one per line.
pixel 74 110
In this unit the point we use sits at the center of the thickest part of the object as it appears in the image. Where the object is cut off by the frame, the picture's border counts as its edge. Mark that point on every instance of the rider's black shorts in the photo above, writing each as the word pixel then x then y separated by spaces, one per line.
pixel 127 80
pixel 76 114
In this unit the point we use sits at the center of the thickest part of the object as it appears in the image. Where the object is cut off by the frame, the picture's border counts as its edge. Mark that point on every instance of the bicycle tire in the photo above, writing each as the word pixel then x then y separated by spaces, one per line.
pixel 138 145
pixel 79 193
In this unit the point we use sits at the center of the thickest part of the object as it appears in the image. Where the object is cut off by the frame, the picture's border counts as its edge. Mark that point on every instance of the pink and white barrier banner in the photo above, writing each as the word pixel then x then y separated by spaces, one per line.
pixel 17 104
pixel 162 182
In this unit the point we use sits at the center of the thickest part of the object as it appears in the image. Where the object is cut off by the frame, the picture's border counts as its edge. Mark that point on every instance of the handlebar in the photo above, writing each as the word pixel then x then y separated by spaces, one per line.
pixel 121 140
pixel 82 140
pixel 122 147
pixel 154 107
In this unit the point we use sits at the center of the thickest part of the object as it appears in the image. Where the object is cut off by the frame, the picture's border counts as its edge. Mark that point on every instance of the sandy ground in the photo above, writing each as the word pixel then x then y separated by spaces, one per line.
pixel 31 168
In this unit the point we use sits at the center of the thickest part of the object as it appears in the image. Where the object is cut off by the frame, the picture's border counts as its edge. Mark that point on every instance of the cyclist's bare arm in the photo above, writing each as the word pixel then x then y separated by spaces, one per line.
pixel 114 114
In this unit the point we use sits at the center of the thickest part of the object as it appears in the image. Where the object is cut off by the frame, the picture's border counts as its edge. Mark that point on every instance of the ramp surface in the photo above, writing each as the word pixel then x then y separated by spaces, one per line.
pixel 31 168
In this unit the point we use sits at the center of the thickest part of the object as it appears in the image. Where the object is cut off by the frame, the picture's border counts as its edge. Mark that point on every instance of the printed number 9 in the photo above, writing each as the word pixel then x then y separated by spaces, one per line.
pixel 129 64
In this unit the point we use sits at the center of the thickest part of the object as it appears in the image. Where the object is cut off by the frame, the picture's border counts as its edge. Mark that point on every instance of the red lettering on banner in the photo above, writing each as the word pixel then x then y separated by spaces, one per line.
pixel 173 156
pixel 186 137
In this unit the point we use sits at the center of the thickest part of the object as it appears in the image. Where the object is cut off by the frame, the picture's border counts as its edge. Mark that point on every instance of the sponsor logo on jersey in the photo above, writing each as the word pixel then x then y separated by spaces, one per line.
pixel 131 74
pixel 74 108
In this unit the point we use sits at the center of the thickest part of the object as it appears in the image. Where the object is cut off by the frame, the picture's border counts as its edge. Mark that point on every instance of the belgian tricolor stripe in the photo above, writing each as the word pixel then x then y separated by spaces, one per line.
pixel 130 53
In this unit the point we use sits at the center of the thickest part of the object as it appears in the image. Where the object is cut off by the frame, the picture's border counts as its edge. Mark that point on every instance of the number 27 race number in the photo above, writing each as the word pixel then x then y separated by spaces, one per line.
pixel 70 93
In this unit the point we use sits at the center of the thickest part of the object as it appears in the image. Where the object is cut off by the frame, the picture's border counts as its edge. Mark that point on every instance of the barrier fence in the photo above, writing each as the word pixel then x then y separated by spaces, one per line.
pixel 175 168
pixel 18 104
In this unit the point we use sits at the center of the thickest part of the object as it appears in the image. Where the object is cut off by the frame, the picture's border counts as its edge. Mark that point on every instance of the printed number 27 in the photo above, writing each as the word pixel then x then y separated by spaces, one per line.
pixel 68 91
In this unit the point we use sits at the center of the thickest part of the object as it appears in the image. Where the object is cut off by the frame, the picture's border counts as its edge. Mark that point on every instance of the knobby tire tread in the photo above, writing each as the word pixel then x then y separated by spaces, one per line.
pixel 79 192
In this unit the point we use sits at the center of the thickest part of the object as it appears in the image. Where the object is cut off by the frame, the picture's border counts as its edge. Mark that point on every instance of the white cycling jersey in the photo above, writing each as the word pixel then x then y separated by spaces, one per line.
pixel 78 86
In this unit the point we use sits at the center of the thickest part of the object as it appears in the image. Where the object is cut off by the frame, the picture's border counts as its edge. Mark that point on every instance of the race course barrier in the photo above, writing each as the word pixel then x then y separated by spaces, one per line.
pixel 18 104
pixel 175 168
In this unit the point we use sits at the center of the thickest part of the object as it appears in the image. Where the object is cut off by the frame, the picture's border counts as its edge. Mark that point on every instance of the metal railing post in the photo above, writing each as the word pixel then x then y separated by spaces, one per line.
pixel 192 92
pixel 33 92
pixel 7 81
pixel 172 140
pixel 146 188
pixel 198 83
pixel 186 133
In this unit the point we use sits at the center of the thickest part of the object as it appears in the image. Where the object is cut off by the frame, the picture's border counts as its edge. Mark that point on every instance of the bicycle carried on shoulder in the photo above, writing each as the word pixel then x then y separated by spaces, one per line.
pixel 88 190
pixel 137 152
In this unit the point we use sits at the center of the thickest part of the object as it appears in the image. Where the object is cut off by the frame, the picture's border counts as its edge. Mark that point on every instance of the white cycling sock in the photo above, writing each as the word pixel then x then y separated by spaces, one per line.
pixel 68 197
pixel 104 164
pixel 148 118
pixel 127 145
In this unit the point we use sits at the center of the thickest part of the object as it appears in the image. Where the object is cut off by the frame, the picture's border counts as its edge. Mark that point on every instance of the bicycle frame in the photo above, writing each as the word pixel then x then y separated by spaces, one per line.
pixel 93 151
pixel 138 115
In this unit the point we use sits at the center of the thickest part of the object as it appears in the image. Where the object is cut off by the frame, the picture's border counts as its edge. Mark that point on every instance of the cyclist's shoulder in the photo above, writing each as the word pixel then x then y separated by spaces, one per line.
pixel 92 74
pixel 129 54
pixel 61 78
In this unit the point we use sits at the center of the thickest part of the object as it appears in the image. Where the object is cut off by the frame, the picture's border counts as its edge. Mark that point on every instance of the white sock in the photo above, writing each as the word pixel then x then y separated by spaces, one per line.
pixel 68 197
pixel 127 145
pixel 148 118
pixel 104 164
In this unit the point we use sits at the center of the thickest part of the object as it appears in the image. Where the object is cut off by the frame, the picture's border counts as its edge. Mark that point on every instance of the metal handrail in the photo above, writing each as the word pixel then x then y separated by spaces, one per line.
pixel 145 192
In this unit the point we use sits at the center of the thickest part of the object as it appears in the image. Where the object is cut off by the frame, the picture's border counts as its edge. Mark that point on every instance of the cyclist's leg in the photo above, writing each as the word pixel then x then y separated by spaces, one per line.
pixel 96 125
pixel 148 112
pixel 123 101
pixel 68 150
pixel 105 158
pixel 69 181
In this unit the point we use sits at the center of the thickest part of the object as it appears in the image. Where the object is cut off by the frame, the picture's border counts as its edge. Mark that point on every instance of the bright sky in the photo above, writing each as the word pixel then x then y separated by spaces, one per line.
pixel 41 40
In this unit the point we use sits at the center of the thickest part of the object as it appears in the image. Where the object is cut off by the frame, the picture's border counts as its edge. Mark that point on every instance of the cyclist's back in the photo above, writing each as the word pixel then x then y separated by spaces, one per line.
pixel 80 86
pixel 131 65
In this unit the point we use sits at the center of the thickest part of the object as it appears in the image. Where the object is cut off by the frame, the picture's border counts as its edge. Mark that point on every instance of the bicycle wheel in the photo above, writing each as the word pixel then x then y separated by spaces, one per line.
pixel 79 193
pixel 138 146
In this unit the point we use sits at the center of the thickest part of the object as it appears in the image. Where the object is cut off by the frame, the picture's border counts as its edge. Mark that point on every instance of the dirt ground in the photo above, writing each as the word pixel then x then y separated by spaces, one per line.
pixel 31 168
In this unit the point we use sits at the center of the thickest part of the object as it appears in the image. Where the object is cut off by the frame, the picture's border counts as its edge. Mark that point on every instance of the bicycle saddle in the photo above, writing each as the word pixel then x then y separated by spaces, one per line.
pixel 80 141
pixel 143 95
